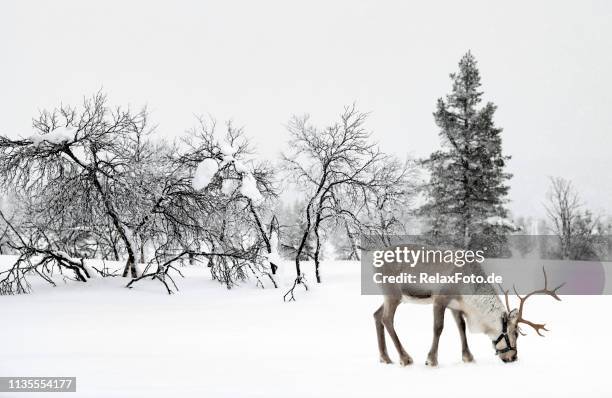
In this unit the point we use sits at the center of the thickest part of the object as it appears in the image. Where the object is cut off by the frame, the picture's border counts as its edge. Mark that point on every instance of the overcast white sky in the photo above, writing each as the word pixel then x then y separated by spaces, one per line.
pixel 547 65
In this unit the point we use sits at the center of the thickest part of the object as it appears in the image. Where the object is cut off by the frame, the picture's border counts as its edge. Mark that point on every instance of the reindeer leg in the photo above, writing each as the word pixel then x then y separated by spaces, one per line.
pixel 432 357
pixel 465 350
pixel 389 308
pixel 380 334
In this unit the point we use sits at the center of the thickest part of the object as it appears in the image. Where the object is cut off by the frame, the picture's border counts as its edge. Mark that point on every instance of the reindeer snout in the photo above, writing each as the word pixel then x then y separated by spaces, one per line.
pixel 510 359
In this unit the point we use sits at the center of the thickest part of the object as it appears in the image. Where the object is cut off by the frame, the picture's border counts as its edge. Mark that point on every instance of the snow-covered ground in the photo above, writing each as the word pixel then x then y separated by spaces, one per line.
pixel 207 341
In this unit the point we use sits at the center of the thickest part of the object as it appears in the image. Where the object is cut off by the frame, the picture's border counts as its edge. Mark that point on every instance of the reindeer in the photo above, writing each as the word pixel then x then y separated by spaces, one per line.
pixel 482 311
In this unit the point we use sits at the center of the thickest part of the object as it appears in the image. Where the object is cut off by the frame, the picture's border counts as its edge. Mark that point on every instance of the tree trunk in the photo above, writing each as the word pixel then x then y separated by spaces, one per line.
pixel 142 251
pixel 130 267
pixel 354 255
pixel 308 224
pixel 317 252
pixel 110 211
pixel 262 232
pixel 318 242
pixel 115 252
pixel 302 244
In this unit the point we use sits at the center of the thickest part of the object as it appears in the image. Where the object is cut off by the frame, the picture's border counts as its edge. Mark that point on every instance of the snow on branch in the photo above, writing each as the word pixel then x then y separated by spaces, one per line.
pixel 204 173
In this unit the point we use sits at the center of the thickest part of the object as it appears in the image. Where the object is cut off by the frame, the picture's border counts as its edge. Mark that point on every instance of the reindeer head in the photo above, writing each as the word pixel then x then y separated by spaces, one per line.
pixel 505 344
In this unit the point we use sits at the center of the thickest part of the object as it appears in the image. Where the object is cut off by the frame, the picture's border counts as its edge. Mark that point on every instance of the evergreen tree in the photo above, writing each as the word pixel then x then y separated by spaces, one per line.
pixel 468 187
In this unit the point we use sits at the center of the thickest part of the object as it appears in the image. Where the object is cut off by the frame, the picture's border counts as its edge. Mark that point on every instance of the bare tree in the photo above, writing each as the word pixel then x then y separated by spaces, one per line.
pixel 381 210
pixel 219 223
pixel 576 228
pixel 339 169
pixel 77 158
pixel 563 210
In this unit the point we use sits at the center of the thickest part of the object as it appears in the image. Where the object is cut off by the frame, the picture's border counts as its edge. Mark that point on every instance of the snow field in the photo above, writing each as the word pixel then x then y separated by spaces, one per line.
pixel 245 342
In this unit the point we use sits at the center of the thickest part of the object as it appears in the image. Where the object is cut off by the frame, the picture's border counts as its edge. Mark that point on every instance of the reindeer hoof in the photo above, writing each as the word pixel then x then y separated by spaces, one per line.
pixel 406 360
pixel 385 359
pixel 468 357
pixel 431 361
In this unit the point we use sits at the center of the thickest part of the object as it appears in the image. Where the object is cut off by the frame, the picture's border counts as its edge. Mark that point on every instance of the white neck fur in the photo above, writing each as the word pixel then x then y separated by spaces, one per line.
pixel 484 314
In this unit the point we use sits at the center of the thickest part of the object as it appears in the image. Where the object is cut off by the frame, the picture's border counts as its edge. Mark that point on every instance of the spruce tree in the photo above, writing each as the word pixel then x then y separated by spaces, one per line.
pixel 467 190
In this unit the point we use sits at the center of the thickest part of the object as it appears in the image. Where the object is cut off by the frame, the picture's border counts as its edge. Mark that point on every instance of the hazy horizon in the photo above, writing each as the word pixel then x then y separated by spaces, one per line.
pixel 545 65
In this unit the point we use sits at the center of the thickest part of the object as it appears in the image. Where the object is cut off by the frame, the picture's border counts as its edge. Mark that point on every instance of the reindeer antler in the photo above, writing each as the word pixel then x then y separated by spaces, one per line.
pixel 552 293
pixel 506 297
